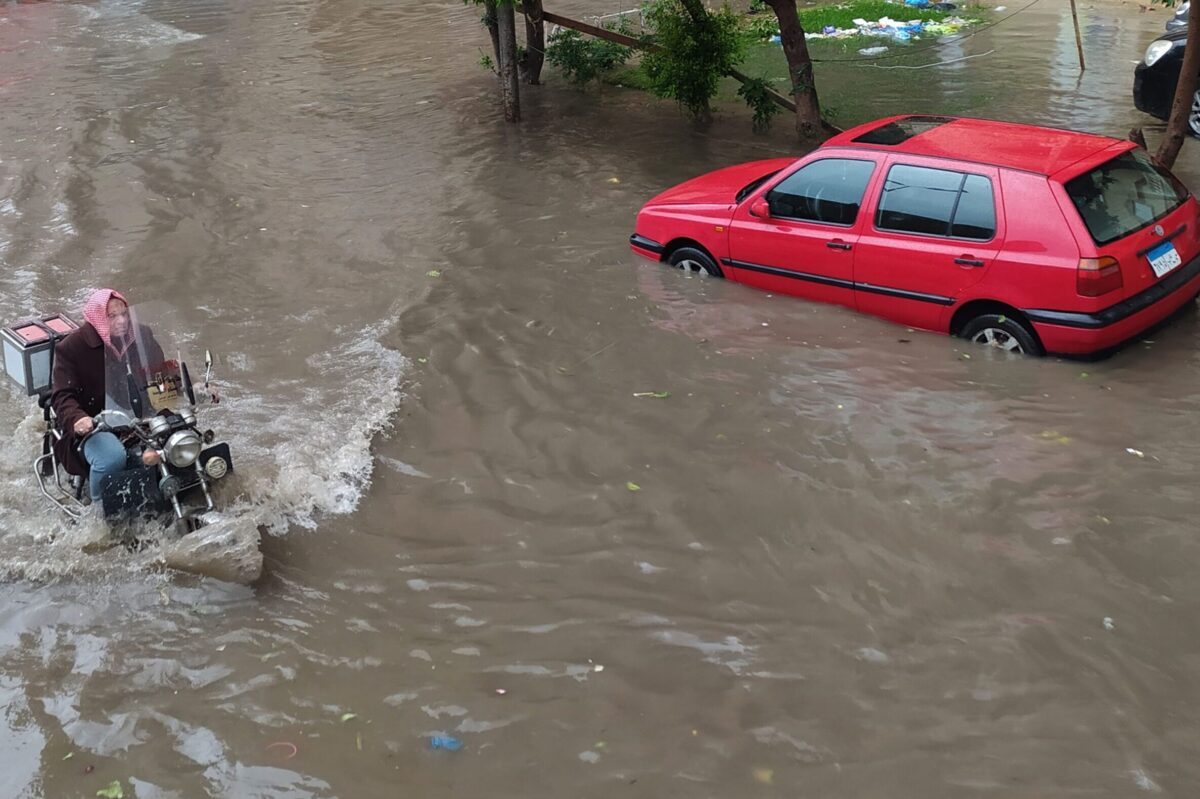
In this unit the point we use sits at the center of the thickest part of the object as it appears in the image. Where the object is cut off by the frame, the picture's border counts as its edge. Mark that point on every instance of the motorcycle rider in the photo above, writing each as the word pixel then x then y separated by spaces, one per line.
pixel 80 387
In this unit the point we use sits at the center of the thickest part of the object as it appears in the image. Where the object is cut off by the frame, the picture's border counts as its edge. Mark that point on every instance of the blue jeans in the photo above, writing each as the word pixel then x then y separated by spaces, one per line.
pixel 106 455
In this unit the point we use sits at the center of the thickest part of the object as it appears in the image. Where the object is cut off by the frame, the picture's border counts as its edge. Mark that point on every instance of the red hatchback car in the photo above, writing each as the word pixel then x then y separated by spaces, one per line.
pixel 1026 238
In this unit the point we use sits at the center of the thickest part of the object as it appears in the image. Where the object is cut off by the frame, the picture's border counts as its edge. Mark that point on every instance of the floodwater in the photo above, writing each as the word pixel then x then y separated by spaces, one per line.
pixel 858 563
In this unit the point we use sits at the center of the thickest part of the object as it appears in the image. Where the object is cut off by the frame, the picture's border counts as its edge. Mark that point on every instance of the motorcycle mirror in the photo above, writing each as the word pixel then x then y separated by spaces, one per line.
pixel 187 383
pixel 135 393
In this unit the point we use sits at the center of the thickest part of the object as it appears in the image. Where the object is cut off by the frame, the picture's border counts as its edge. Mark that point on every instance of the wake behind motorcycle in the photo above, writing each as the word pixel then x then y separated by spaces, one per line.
pixel 150 405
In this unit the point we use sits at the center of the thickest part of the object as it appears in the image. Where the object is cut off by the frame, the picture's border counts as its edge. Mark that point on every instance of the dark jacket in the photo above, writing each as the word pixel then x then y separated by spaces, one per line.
pixel 78 382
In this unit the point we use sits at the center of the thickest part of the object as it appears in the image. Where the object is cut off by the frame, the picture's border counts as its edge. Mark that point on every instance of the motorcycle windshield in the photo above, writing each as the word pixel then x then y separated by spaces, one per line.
pixel 144 372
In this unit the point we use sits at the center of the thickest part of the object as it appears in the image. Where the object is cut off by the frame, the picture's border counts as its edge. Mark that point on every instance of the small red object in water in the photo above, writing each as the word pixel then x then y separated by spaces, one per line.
pixel 286 745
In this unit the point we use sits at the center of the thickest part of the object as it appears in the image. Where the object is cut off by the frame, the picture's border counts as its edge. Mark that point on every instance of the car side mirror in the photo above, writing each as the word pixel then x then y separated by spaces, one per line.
pixel 761 209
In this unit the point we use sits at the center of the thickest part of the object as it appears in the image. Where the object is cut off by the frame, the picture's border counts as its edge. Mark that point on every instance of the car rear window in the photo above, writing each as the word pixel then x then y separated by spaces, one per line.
pixel 1124 195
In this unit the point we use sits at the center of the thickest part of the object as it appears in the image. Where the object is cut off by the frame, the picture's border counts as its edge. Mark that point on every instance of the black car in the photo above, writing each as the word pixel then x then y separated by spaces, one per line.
pixel 1179 21
pixel 1155 78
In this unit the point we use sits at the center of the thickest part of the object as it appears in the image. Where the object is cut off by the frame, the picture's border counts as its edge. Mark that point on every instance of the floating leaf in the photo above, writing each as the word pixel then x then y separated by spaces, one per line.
pixel 358 741
pixel 422 360
pixel 633 486
pixel 614 181
pixel 654 394
pixel 1002 319
pixel 113 791
pixel 764 775
pixel 68 755
pixel 347 716
pixel 1084 375
pixel 433 273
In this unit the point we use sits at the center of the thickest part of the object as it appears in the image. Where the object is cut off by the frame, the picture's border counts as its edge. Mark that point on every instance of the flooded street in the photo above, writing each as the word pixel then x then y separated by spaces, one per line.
pixel 840 559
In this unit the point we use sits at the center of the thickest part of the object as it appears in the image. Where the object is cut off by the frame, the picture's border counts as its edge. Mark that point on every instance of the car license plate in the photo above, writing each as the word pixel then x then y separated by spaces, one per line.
pixel 1163 258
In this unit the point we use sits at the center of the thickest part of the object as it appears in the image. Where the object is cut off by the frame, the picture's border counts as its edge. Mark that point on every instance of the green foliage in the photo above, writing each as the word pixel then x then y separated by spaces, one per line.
pixel 694 56
pixel 583 59
pixel 757 6
pixel 755 92
pixel 760 27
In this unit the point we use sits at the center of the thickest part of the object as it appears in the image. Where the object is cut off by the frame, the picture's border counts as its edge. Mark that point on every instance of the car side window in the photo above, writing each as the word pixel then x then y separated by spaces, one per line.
pixel 937 202
pixel 828 191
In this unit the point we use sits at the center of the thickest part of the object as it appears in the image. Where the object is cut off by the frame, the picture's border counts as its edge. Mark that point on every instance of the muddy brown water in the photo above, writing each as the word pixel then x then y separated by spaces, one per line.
pixel 859 563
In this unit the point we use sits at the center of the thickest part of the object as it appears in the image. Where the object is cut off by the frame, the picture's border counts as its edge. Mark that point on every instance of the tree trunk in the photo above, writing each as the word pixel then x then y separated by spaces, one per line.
pixel 696 11
pixel 535 41
pixel 800 68
pixel 489 22
pixel 1185 95
pixel 510 86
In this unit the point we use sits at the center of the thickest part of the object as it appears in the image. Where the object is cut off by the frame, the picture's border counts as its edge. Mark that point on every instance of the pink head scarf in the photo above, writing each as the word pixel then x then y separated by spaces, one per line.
pixel 95 311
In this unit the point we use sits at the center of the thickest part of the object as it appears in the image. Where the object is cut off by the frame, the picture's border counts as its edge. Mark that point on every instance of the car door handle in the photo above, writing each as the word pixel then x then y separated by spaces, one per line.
pixel 968 262
pixel 837 245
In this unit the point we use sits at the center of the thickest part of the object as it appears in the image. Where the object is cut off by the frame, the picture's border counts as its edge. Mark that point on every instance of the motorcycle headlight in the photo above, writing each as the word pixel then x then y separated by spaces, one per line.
pixel 1157 50
pixel 182 448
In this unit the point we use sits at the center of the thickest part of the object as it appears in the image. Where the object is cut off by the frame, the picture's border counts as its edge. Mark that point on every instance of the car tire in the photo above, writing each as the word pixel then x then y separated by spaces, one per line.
pixel 1002 332
pixel 692 260
pixel 1194 116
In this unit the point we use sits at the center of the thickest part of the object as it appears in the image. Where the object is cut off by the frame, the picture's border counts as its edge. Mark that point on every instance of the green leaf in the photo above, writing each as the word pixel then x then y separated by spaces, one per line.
pixel 1001 319
pixel 348 716
pixel 654 394
pixel 633 486
pixel 113 791
pixel 433 273
pixel 68 755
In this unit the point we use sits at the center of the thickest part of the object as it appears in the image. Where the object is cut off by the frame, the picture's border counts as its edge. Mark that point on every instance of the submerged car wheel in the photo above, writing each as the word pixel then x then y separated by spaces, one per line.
pixel 690 259
pixel 1002 332
pixel 1194 115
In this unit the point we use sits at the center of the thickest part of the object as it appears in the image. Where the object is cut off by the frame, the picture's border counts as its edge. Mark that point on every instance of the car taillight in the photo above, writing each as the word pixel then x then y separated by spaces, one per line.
pixel 1097 276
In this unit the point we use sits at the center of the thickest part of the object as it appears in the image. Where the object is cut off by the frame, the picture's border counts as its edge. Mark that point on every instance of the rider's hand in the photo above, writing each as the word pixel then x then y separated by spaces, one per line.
pixel 150 458
pixel 84 426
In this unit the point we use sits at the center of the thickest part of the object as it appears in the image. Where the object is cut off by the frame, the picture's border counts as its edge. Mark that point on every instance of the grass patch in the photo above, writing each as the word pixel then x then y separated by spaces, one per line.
pixel 843 15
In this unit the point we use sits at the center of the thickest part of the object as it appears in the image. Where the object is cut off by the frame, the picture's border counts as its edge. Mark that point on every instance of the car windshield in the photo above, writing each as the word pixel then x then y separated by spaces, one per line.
pixel 1124 195
pixel 749 188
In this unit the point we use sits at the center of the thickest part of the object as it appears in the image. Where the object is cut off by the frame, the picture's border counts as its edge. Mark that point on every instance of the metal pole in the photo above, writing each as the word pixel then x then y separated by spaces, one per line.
pixel 1078 38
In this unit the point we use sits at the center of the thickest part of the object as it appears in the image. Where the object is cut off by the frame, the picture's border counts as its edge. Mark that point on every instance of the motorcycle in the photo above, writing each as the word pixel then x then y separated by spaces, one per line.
pixel 151 405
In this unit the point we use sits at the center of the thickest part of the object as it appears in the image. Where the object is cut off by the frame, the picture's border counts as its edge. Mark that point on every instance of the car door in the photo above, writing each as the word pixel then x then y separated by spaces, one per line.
pixel 797 235
pixel 934 231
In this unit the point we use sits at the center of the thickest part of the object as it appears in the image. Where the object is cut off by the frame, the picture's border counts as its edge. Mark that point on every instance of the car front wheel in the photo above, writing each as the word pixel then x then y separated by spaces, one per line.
pixel 1002 332
pixel 690 259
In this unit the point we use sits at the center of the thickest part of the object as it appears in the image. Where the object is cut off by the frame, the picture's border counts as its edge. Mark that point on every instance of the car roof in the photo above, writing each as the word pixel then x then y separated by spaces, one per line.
pixel 1029 148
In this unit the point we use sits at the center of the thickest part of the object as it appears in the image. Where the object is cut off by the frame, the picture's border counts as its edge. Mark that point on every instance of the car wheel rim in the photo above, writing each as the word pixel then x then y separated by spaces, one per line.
pixel 690 266
pixel 1194 117
pixel 1000 339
